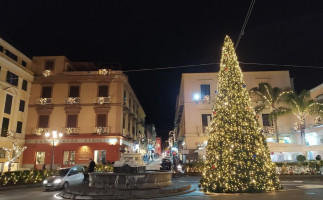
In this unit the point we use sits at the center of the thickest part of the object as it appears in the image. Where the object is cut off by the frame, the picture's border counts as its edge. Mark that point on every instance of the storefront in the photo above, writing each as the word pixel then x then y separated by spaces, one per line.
pixel 74 150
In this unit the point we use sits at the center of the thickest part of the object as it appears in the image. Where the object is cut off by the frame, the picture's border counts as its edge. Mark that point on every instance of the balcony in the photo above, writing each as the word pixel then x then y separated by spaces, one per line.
pixel 103 100
pixel 40 131
pixel 72 100
pixel 71 130
pixel 102 130
pixel 267 130
pixel 43 101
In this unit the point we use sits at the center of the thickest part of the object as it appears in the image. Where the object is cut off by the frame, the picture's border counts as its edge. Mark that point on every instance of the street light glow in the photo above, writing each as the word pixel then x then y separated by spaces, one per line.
pixel 196 97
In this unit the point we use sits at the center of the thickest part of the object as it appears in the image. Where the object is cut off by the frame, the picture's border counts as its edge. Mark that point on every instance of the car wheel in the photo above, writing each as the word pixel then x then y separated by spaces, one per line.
pixel 65 185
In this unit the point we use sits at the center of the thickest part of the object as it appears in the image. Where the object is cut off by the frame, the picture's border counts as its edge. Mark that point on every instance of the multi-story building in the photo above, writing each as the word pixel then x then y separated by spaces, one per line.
pixel 194 108
pixel 96 110
pixel 15 83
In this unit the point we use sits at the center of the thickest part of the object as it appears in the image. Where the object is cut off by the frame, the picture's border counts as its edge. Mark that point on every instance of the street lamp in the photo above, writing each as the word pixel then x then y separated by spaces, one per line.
pixel 53 138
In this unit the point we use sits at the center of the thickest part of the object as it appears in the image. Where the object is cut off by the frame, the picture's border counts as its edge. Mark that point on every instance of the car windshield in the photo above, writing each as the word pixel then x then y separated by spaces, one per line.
pixel 61 172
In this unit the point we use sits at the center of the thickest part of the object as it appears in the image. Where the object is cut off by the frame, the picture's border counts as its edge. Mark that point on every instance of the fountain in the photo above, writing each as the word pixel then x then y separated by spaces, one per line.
pixel 130 173
pixel 128 180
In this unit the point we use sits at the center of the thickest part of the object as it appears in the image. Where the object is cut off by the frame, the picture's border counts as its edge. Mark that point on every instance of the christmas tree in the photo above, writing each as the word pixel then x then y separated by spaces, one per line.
pixel 237 156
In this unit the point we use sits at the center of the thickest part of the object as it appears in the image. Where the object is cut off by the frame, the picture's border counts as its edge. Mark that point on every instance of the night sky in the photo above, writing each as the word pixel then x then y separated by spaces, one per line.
pixel 159 34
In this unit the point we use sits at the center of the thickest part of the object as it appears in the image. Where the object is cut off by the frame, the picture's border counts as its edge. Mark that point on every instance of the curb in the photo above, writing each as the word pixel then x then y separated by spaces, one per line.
pixel 12 187
pixel 129 194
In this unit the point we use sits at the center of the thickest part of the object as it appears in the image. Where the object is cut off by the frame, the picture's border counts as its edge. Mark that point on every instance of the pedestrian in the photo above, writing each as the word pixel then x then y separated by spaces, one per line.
pixel 91 166
pixel 44 167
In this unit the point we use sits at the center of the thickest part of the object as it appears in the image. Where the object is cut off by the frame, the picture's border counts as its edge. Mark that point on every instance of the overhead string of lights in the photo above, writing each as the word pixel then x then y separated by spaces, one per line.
pixel 209 64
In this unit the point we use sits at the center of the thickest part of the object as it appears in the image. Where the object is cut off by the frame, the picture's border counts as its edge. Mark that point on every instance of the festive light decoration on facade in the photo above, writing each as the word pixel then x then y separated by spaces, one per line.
pixel 237 158
pixel 47 73
pixel 71 100
pixel 103 72
pixel 43 101
pixel 206 99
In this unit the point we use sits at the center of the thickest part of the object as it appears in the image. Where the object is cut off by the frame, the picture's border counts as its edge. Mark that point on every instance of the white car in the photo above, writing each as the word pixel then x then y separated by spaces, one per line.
pixel 64 177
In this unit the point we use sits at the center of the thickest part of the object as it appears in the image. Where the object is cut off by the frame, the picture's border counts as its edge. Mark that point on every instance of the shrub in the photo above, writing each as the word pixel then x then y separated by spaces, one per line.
pixel 24 177
pixel 301 158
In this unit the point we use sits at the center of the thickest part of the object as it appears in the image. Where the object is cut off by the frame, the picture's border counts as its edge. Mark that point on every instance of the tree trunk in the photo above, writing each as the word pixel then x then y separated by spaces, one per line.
pixel 276 129
pixel 9 166
pixel 303 133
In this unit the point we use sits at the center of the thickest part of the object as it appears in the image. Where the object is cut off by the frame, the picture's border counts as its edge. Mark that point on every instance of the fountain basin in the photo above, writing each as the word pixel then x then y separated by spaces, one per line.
pixel 144 180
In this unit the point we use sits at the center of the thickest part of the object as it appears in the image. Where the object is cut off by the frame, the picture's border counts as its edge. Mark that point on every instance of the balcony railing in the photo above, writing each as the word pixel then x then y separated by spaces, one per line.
pixel 71 130
pixel 72 100
pixel 102 130
pixel 43 101
pixel 268 130
pixel 103 100
pixel 40 131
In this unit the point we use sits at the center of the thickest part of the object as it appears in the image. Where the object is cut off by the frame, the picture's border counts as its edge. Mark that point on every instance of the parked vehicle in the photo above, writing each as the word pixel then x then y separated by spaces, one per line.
pixel 64 177
pixel 165 164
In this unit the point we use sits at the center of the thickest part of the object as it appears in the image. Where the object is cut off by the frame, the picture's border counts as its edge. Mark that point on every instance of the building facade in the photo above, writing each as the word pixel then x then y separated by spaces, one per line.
pixel 194 110
pixel 15 83
pixel 96 110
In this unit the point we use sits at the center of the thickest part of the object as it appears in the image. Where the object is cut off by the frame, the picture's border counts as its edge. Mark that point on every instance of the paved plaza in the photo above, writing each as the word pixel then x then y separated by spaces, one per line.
pixel 295 190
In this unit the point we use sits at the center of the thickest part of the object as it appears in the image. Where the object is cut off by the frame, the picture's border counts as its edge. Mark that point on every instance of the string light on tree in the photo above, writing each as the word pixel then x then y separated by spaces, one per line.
pixel 237 158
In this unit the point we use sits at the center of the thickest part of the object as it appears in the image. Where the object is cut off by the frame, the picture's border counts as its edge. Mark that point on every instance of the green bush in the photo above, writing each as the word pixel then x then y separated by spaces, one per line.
pixel 301 158
pixel 24 177
pixel 104 168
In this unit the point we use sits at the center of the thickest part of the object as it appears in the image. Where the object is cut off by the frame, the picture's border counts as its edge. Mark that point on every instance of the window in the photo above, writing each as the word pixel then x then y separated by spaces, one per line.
pixel 11 55
pixel 74 91
pixel 22 106
pixel 43 121
pixel 124 96
pixel 71 121
pixel 101 120
pixel 5 126
pixel 124 123
pixel 23 63
pixel 103 91
pixel 1 48
pixel 206 119
pixel 2 153
pixel 46 92
pixel 265 120
pixel 7 107
pixel 49 65
pixel 40 157
pixel 19 127
pixel 24 85
pixel 69 158
pixel 205 90
pixel 129 125
pixel 12 78
pixel 100 156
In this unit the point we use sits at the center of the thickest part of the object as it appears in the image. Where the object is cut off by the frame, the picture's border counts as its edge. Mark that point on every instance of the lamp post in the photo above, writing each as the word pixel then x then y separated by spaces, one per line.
pixel 53 138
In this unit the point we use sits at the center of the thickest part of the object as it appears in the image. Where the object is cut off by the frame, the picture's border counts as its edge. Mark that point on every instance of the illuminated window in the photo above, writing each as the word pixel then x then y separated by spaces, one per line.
pixel 40 157
pixel 69 158
pixel 100 156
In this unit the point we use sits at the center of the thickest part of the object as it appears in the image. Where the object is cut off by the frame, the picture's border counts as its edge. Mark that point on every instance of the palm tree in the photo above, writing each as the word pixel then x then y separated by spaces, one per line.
pixel 302 106
pixel 270 98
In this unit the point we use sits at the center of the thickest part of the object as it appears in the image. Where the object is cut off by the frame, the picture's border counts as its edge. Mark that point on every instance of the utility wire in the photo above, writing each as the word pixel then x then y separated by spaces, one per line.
pixel 245 23
pixel 163 68
pixel 208 64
